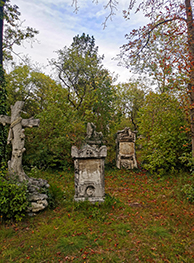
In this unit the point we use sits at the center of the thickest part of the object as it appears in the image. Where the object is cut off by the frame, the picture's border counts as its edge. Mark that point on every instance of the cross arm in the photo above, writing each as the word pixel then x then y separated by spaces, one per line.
pixel 5 119
pixel 30 122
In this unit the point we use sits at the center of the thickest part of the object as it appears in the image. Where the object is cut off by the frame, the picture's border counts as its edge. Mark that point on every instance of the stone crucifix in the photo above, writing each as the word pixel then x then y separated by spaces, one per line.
pixel 17 137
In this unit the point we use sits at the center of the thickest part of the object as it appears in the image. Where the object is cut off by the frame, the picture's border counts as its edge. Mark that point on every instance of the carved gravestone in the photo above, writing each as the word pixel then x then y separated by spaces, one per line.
pixel 89 168
pixel 17 138
pixel 125 152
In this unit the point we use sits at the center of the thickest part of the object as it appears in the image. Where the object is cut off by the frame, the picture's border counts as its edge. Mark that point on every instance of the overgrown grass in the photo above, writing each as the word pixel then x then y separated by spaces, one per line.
pixel 143 219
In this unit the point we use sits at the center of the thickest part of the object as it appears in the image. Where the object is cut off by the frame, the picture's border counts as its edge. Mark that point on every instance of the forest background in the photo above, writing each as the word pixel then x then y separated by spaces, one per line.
pixel 157 107
pixel 147 215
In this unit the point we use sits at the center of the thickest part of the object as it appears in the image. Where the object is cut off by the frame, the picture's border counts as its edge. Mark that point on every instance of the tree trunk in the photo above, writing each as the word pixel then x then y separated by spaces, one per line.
pixel 2 3
pixel 190 28
pixel 3 105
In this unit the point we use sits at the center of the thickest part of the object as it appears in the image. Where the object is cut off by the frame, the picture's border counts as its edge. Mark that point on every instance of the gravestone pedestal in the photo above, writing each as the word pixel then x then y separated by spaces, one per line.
pixel 89 173
pixel 89 167
pixel 125 154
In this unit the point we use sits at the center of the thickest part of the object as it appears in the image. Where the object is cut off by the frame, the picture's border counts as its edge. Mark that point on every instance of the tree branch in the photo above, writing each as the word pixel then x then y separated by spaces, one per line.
pixel 160 23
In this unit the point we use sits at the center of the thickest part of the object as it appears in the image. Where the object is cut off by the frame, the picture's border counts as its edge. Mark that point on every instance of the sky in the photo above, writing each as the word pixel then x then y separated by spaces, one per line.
pixel 57 23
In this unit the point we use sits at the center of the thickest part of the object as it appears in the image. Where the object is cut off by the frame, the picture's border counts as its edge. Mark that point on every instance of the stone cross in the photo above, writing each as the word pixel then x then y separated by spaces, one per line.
pixel 17 137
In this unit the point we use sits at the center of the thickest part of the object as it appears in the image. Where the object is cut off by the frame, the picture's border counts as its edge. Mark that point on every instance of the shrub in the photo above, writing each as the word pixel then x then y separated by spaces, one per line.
pixel 55 195
pixel 164 142
pixel 188 191
pixel 13 200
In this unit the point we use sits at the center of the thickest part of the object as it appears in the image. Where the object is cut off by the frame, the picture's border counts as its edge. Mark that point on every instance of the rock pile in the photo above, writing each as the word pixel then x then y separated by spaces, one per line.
pixel 38 200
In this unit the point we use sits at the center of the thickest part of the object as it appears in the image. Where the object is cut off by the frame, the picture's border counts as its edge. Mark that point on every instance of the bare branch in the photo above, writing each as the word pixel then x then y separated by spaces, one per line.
pixel 149 32
pixel 112 5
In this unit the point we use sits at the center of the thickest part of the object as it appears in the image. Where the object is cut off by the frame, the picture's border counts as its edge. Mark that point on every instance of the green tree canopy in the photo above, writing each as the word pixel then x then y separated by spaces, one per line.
pixel 130 98
pixel 77 67
pixel 89 86
pixel 30 86
pixel 161 121
pixel 15 33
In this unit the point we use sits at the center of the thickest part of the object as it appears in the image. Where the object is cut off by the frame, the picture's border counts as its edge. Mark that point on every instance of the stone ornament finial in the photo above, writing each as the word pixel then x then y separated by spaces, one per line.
pixel 93 137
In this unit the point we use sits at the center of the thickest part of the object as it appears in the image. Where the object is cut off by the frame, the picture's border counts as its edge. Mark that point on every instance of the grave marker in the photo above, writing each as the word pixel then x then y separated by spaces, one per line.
pixel 89 167
pixel 125 153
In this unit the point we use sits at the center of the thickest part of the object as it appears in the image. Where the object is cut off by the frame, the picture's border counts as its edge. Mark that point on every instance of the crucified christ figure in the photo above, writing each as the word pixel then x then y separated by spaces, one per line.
pixel 16 137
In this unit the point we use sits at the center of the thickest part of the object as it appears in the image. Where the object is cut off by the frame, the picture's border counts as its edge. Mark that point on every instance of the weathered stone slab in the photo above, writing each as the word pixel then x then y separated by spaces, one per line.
pixel 90 170
pixel 89 181
pixel 126 148
pixel 125 154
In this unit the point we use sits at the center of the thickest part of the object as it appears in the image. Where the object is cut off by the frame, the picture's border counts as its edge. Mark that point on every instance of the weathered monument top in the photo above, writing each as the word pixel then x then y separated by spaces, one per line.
pixel 93 137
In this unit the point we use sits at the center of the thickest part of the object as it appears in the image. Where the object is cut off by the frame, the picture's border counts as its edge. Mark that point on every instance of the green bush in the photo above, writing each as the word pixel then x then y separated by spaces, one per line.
pixel 13 200
pixel 55 195
pixel 164 141
pixel 188 191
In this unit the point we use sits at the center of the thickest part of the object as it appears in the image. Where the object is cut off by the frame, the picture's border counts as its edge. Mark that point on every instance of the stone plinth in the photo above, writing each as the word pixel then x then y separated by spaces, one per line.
pixel 89 173
pixel 125 154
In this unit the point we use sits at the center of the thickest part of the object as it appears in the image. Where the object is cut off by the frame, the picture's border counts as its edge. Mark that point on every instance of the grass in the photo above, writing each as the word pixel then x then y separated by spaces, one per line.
pixel 143 219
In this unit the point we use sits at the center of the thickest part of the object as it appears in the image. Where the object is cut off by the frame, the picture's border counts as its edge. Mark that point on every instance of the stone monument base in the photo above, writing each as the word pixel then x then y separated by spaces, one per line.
pixel 89 173
pixel 90 199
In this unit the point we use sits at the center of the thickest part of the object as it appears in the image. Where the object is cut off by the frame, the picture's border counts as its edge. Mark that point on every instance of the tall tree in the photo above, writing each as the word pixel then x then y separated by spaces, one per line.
pixel 160 121
pixel 161 64
pixel 89 86
pixel 162 13
pixel 31 86
pixel 2 87
pixel 77 68
pixel 14 30
pixel 130 98
pixel 13 35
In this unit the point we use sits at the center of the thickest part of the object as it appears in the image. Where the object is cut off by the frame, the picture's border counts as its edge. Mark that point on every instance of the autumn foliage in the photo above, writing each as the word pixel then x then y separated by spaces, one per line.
pixel 167 41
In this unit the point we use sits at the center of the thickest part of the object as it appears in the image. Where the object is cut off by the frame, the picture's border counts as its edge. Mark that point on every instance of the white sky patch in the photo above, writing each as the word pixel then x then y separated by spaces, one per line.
pixel 57 24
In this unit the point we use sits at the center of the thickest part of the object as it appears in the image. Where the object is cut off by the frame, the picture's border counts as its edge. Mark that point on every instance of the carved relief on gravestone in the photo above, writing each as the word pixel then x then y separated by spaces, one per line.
pixel 16 137
pixel 125 153
pixel 89 169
